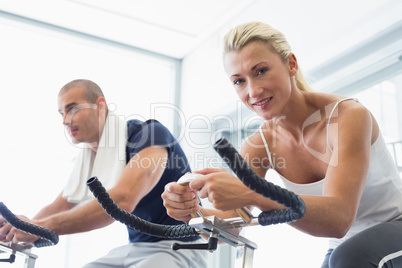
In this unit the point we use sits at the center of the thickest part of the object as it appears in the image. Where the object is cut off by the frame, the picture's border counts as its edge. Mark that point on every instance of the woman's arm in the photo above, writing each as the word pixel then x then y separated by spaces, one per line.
pixel 332 214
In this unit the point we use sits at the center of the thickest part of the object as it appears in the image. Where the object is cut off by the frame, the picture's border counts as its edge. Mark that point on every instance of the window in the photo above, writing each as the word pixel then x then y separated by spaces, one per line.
pixel 382 100
pixel 37 59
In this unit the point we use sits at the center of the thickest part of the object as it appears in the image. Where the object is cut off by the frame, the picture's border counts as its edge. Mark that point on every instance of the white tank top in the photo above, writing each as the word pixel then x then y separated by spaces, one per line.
pixel 381 200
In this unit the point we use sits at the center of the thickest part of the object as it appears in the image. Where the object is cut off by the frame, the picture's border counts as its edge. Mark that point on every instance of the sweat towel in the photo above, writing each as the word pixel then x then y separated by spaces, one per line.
pixel 107 163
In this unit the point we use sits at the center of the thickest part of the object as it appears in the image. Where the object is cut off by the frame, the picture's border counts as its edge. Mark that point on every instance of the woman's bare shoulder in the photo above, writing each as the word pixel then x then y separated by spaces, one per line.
pixel 254 144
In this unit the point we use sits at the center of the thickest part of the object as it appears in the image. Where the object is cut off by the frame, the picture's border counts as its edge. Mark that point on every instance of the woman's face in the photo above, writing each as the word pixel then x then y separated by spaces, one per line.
pixel 261 79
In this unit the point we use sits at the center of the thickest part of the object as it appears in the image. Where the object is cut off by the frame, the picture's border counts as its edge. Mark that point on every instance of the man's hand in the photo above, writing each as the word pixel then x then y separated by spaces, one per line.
pixel 10 234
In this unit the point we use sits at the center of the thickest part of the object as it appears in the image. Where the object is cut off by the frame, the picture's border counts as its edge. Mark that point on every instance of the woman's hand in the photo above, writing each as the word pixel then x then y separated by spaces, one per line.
pixel 223 190
pixel 180 201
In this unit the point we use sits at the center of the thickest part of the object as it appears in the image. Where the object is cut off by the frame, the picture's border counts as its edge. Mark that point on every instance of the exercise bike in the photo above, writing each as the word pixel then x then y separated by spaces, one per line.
pixel 225 230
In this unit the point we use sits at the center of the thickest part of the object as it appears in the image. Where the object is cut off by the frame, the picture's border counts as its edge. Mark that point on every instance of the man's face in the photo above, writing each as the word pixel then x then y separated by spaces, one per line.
pixel 80 118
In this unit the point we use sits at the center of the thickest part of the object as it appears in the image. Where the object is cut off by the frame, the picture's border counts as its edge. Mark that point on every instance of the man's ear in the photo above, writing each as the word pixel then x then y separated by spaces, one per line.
pixel 101 103
pixel 293 65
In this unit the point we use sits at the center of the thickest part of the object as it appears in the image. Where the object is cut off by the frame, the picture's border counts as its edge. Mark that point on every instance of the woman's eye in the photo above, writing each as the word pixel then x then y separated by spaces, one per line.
pixel 262 71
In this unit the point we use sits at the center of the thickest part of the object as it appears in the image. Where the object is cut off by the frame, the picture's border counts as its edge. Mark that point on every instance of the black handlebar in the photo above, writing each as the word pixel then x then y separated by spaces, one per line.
pixel 295 207
pixel 46 237
pixel 134 222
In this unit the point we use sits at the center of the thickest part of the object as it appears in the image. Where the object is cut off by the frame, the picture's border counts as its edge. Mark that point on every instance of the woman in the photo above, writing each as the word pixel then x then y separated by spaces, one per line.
pixel 332 151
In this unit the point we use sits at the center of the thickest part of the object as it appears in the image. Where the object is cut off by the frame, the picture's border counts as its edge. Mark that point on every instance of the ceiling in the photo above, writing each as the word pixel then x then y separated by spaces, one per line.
pixel 174 28
pixel 171 28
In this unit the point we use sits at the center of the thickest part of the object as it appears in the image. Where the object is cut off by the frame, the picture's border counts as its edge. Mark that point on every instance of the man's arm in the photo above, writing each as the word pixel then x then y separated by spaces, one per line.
pixel 60 204
pixel 138 178
pixel 7 232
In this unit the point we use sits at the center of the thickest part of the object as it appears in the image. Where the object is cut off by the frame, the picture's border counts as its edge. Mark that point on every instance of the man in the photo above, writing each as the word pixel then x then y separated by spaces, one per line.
pixel 134 160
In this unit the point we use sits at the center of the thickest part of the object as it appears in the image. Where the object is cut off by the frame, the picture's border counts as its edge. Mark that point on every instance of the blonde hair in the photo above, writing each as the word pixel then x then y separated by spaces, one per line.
pixel 246 33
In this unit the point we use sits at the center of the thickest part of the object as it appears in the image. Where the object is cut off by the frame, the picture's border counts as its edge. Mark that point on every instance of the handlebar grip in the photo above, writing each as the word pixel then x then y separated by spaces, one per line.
pixel 134 222
pixel 295 207
pixel 46 237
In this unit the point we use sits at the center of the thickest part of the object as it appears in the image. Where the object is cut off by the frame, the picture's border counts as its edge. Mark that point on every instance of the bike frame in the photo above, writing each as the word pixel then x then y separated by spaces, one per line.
pixel 20 250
